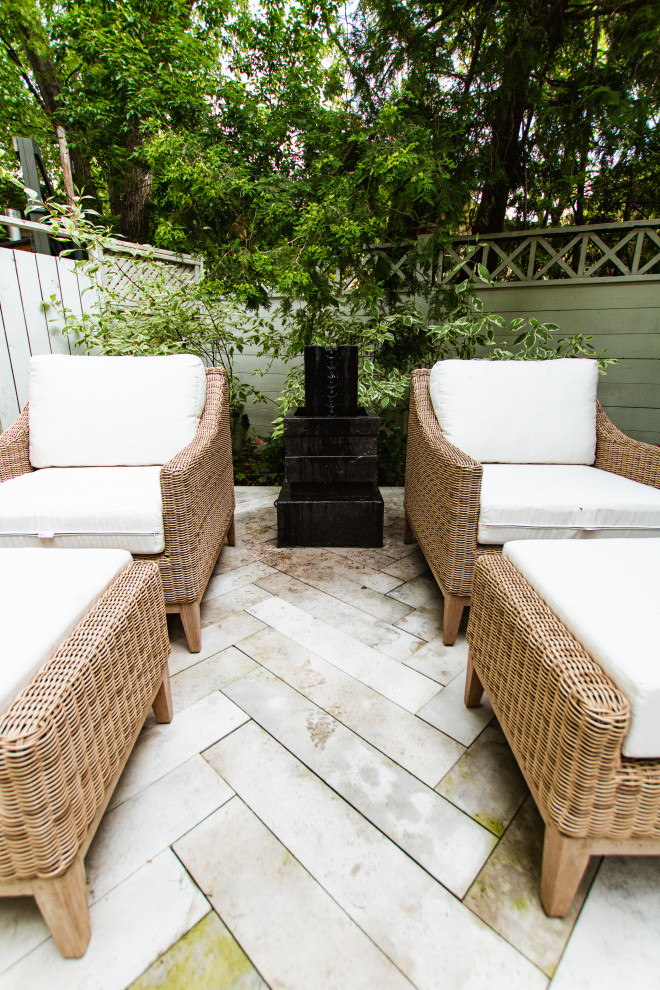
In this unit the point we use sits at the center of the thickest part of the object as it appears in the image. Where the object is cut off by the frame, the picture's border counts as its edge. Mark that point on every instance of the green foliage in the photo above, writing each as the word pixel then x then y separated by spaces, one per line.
pixel 380 384
pixel 109 73
pixel 320 157
pixel 259 461
pixel 167 315
pixel 282 139
pixel 469 331
pixel 292 212
pixel 142 307
pixel 390 344
pixel 391 451
pixel 12 195
pixel 547 109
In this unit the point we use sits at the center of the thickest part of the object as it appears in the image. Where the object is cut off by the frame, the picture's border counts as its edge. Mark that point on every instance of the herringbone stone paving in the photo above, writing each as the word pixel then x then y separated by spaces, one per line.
pixel 323 813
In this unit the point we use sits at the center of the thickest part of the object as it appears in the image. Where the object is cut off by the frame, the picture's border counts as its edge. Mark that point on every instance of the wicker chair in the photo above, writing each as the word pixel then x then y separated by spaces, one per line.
pixel 565 722
pixel 64 743
pixel 197 487
pixel 442 492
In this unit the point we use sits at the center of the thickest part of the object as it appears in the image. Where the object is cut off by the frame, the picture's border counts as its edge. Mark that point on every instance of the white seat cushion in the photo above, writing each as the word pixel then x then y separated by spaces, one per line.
pixel 607 595
pixel 89 411
pixel 518 412
pixel 43 595
pixel 84 507
pixel 560 501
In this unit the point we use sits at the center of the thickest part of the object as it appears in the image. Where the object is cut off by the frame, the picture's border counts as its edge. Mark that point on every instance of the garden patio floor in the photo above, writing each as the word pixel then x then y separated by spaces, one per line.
pixel 324 814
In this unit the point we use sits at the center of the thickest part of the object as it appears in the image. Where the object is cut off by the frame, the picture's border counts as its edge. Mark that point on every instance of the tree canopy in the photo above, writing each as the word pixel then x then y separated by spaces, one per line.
pixel 283 138
pixel 549 107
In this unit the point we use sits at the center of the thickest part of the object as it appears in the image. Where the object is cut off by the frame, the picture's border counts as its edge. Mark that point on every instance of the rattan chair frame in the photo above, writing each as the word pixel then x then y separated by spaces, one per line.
pixel 65 740
pixel 443 489
pixel 565 722
pixel 197 488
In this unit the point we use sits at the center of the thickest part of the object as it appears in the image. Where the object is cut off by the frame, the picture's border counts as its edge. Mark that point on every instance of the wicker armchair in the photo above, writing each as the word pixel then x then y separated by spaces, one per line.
pixel 197 487
pixel 65 741
pixel 442 495
pixel 565 722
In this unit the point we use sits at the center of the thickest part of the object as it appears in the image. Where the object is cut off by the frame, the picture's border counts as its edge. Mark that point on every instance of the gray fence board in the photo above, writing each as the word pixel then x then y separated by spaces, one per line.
pixel 630 395
pixel 634 420
pixel 638 372
pixel 624 319
pixel 567 296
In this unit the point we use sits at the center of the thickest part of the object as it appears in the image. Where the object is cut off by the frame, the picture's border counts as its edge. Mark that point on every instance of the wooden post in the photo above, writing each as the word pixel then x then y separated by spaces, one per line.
pixel 192 625
pixel 67 175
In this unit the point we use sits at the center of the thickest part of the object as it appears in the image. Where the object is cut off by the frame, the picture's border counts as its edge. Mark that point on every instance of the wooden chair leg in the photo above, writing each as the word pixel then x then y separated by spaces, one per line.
pixel 63 905
pixel 452 618
pixel 564 863
pixel 408 535
pixel 474 689
pixel 162 703
pixel 192 625
pixel 231 533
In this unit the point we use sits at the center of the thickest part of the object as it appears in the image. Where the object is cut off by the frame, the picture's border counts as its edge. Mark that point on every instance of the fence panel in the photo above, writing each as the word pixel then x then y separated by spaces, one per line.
pixel 9 408
pixel 15 327
pixel 624 319
pixel 27 326
pixel 49 281
pixel 31 298
pixel 602 280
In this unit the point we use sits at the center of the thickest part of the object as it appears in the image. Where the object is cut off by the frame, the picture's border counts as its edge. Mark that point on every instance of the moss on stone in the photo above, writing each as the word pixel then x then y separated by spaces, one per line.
pixel 492 824
pixel 206 958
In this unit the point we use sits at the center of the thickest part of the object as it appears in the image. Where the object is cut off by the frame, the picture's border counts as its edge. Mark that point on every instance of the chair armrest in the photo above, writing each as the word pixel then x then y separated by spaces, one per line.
pixel 15 448
pixel 197 487
pixel 442 493
pixel 66 735
pixel 620 454
pixel 564 717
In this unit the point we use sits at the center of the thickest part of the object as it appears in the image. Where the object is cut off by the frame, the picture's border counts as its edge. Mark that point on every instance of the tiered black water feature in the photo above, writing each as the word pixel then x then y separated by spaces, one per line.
pixel 330 496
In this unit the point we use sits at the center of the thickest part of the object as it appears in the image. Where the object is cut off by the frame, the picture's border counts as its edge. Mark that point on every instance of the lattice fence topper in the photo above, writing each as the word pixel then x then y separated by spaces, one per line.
pixel 397 263
pixel 580 254
pixel 135 268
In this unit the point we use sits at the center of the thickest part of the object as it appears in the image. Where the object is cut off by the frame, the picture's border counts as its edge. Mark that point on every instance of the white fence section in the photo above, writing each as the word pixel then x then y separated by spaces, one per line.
pixel 27 281
pixel 132 268
pixel 29 324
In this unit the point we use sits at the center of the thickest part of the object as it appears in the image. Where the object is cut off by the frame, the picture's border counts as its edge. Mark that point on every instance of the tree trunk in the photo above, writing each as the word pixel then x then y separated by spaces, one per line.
pixel 136 197
pixel 50 88
pixel 506 155
pixel 508 138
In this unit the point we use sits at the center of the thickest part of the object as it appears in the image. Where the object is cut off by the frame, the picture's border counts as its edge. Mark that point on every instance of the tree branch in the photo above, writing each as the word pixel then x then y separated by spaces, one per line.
pixel 15 58
pixel 580 13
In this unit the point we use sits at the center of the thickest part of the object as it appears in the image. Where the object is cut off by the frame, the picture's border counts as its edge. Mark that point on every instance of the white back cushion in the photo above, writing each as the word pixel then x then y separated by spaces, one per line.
pixel 104 411
pixel 518 412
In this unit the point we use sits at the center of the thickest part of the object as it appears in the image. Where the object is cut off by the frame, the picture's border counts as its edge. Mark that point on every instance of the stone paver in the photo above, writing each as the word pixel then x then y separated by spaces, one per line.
pixel 283 830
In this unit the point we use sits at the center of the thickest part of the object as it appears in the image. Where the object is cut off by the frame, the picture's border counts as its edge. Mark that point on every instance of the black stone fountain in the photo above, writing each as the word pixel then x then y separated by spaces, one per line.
pixel 330 496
